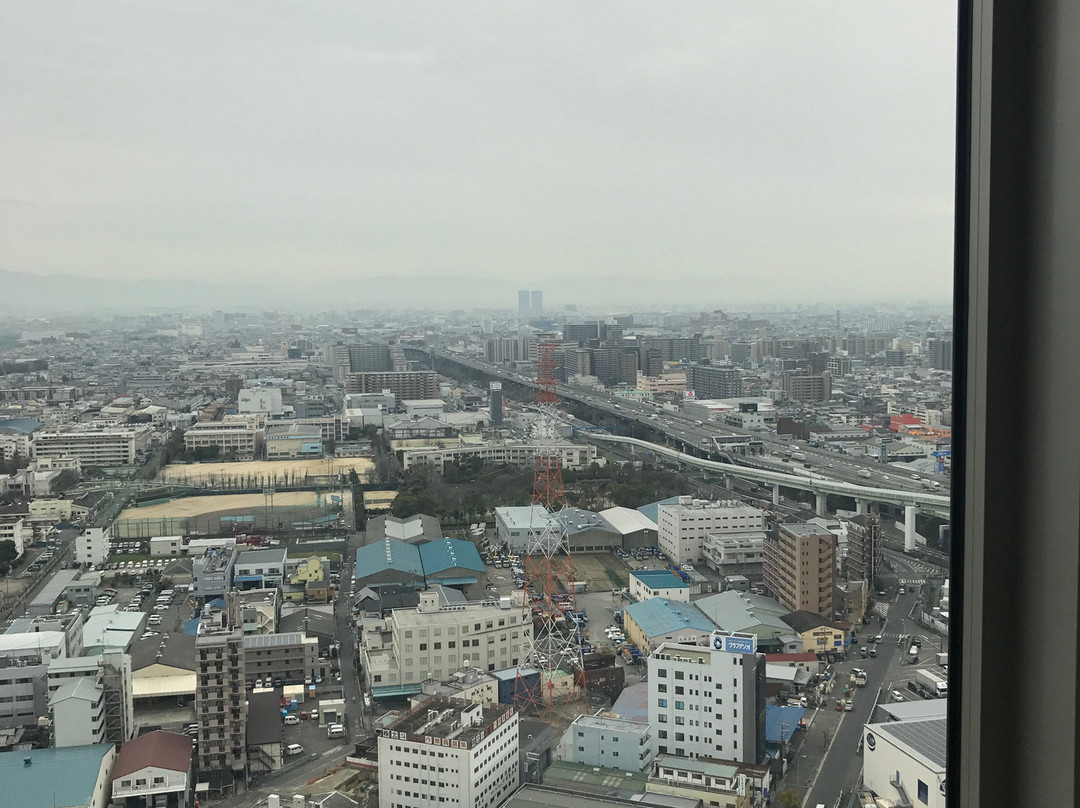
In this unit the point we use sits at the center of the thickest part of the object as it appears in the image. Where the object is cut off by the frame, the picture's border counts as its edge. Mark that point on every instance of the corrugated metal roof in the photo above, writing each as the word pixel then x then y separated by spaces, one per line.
pixel 447 554
pixel 657 616
pixel 660 579
pixel 61 778
pixel 388 554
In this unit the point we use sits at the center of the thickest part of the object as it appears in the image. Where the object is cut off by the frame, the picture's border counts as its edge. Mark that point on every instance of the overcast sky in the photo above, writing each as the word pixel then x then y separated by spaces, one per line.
pixel 802 149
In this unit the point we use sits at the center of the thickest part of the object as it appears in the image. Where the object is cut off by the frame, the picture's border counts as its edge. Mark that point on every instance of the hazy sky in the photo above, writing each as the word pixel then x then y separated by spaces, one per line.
pixel 789 148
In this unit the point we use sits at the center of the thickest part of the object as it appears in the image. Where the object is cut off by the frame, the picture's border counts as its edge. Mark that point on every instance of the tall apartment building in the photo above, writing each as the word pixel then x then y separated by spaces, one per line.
pixel 431 641
pixel 673 349
pixel 510 349
pixel 714 381
pixel 370 358
pixel 864 552
pixel 709 701
pixel 94 446
pixel 524 302
pixel 939 352
pixel 450 751
pixel 807 386
pixel 404 384
pixel 220 698
pixel 614 366
pixel 536 302
pixel 800 565
pixel 683 527
pixel 858 347
pixel 338 357
pixel 90 699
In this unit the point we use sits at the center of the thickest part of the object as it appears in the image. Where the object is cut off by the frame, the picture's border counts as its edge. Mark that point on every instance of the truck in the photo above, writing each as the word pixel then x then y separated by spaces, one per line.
pixel 798 456
pixel 860 677
pixel 864 473
pixel 932 683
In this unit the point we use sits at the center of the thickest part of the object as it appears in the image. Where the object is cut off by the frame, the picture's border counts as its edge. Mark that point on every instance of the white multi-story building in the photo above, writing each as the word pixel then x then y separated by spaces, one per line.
pixel 450 751
pixel 904 761
pixel 16 530
pixel 615 743
pixel 730 553
pixel 92 547
pixel 683 526
pixel 514 454
pixel 91 699
pixel 94 445
pixel 239 436
pixel 709 701
pixel 431 641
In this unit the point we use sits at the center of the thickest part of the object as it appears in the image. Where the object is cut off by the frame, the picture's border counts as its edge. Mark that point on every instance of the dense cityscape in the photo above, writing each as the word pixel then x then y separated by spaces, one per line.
pixel 597 557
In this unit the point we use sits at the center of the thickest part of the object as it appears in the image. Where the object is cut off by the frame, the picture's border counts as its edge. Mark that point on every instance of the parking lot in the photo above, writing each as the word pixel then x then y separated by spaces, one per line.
pixel 312 737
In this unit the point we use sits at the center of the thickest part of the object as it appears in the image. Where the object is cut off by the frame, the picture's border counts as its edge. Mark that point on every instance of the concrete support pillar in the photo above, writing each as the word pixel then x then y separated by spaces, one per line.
pixel 776 494
pixel 909 527
pixel 860 506
pixel 729 482
pixel 820 507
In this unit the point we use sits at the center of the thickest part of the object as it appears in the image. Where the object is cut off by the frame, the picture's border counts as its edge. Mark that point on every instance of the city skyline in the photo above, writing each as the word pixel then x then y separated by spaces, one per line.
pixel 769 153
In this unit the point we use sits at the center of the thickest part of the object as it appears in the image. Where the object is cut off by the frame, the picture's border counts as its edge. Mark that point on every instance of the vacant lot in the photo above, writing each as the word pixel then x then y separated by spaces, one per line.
pixel 268 470
pixel 602 571
pixel 200 506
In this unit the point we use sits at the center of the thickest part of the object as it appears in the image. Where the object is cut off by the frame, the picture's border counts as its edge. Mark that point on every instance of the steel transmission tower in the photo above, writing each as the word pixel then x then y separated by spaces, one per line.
pixel 555 647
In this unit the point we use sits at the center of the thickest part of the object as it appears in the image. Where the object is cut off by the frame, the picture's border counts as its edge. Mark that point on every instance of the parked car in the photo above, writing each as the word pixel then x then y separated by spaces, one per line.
pixel 291 719
pixel 294 749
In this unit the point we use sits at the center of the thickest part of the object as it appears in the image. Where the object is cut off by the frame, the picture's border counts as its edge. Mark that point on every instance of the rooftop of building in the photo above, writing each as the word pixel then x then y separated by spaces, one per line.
pixel 925 738
pixel 660 579
pixel 112 627
pixel 60 777
pixel 82 688
pixel 570 785
pixel 22 426
pixel 627 520
pixel 804 529
pixel 172 649
pixel 445 554
pixel 276 640
pixel 417 526
pixel 264 718
pixel 293 430
pixel 914 710
pixel 160 749
pixel 745 611
pixel 524 516
pixel 269 555
pixel 609 721
pixel 657 616
pixel 38 641
pixel 652 510
pixel 451 719
pixel 633 704
pixel 577 520
pixel 54 588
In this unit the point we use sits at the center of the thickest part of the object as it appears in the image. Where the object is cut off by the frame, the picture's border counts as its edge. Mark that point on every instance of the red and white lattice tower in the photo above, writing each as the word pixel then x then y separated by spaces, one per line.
pixel 555 646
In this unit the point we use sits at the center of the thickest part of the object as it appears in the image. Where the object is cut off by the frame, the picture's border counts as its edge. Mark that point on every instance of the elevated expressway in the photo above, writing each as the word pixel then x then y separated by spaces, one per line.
pixel 820 486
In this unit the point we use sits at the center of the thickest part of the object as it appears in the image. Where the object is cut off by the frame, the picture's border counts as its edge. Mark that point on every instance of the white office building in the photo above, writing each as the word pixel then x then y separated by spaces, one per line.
pixel 92 547
pixel 904 761
pixel 234 436
pixel 602 740
pixel 517 526
pixel 94 445
pixel 684 526
pixel 432 641
pixel 91 699
pixel 709 701
pixel 260 400
pixel 452 752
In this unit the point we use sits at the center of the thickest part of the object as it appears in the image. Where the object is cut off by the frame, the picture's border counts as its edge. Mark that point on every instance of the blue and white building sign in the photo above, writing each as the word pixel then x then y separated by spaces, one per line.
pixel 735 643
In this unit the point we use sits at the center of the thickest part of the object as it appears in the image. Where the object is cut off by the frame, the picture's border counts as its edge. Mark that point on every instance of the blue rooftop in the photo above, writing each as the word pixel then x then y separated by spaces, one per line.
pixel 652 510
pixel 781 722
pixel 440 555
pixel 388 554
pixel 62 778
pixel 657 616
pixel 23 425
pixel 660 579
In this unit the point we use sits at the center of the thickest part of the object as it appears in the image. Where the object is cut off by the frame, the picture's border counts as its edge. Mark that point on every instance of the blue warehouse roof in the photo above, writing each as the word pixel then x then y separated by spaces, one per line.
pixel 61 777
pixel 660 579
pixel 388 554
pixel 657 616
pixel 652 510
pixel 440 555
pixel 22 425
pixel 781 722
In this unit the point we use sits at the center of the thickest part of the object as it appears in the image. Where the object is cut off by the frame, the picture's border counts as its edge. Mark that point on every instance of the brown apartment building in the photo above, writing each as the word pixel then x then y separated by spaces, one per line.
pixel 799 568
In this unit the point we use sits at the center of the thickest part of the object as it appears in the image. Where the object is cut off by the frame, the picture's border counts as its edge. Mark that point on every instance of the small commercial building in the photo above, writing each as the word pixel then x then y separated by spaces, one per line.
pixel 154 771
pixel 518 526
pixel 645 584
pixel 818 635
pixel 601 740
pixel 293 441
pixel 636 529
pixel 259 569
pixel 166 546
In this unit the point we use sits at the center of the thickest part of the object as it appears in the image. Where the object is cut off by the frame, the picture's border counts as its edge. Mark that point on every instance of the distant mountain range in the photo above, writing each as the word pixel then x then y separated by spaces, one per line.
pixel 32 294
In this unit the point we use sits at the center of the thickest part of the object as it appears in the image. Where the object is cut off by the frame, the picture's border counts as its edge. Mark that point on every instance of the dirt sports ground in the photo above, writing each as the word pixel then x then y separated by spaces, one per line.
pixel 219 515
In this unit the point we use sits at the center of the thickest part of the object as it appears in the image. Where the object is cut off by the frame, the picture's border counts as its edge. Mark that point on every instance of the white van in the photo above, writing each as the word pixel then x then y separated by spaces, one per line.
pixel 335 731
pixel 294 749
pixel 292 719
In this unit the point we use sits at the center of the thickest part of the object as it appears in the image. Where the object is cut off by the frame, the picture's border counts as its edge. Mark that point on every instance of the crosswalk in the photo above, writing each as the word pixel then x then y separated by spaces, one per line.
pixel 912 581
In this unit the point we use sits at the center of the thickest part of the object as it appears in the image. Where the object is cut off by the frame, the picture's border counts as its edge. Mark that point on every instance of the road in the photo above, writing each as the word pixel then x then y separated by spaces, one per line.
pixel 841 767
